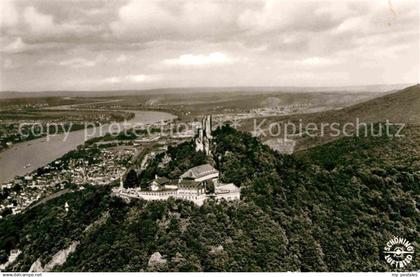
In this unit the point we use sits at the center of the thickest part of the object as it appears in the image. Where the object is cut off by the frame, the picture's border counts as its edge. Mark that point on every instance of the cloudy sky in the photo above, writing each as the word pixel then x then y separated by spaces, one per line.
pixel 136 44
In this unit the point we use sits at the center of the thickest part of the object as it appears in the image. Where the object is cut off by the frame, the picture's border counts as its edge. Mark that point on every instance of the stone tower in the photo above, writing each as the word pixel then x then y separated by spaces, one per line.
pixel 202 142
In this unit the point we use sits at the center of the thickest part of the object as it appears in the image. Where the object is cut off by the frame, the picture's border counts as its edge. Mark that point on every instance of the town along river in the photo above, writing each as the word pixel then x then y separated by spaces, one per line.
pixel 25 157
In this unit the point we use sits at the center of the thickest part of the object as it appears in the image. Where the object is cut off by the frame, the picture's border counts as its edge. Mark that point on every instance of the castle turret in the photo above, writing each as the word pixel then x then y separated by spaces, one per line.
pixel 202 142
pixel 208 126
pixel 121 182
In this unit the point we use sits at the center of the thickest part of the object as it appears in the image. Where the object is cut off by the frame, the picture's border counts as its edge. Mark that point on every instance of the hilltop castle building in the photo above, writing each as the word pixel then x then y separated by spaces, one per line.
pixel 192 186
pixel 197 184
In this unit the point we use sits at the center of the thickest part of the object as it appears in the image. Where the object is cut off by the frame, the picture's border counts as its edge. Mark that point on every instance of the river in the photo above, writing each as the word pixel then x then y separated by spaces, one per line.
pixel 25 157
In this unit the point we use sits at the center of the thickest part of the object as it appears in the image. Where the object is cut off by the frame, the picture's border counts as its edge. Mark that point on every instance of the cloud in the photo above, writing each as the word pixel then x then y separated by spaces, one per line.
pixel 139 78
pixel 9 15
pixel 275 25
pixel 9 64
pixel 121 58
pixel 77 63
pixel 250 42
pixel 16 46
pixel 289 15
pixel 39 22
pixel 146 17
pixel 43 28
pixel 215 58
pixel 149 20
pixel 317 61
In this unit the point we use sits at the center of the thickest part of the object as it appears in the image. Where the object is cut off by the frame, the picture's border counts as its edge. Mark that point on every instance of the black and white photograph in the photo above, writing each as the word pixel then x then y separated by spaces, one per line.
pixel 209 136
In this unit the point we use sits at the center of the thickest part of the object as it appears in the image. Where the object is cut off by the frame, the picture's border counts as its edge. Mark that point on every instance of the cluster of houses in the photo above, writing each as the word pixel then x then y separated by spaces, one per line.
pixel 196 184
pixel 110 165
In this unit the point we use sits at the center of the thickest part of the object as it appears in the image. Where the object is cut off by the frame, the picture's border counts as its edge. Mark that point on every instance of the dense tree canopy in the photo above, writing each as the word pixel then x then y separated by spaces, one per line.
pixel 326 209
pixel 131 180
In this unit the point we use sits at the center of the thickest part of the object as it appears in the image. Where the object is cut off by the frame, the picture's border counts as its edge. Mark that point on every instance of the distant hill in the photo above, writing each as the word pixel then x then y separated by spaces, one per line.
pixel 402 106
pixel 189 90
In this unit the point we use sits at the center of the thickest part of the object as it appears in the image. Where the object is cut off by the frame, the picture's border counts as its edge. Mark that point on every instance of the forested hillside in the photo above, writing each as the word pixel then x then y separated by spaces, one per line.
pixel 331 208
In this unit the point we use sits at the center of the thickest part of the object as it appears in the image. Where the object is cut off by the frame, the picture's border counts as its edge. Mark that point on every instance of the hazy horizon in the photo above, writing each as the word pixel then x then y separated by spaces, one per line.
pixel 373 89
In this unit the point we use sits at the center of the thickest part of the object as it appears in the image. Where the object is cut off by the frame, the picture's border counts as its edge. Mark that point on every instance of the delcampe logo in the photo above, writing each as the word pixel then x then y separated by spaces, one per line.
pixel 398 252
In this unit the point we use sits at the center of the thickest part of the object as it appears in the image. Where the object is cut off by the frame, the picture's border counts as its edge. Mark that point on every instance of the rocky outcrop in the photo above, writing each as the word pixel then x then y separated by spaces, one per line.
pixel 58 259
pixel 61 256
pixel 14 254
pixel 216 249
pixel 156 260
pixel 36 266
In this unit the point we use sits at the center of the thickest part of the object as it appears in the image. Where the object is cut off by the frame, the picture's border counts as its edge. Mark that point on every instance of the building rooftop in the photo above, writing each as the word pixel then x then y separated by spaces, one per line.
pixel 224 188
pixel 189 184
pixel 161 180
pixel 199 171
